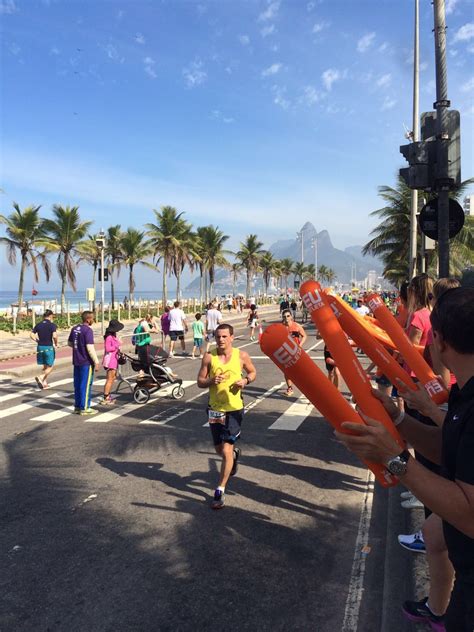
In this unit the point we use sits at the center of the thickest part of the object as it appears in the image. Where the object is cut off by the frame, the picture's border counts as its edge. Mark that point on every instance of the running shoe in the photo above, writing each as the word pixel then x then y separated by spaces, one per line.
pixel 77 411
pixel 413 542
pixel 289 392
pixel 418 611
pixel 39 383
pixel 218 500
pixel 107 401
pixel 406 495
pixel 237 452
pixel 89 411
pixel 412 503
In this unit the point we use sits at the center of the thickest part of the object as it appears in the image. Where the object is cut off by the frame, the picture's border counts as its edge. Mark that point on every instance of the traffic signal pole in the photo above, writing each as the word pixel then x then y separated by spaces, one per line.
pixel 442 137
pixel 416 137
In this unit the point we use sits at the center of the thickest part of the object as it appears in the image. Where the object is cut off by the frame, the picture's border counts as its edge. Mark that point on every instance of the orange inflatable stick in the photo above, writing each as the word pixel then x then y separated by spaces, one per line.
pixel 283 350
pixel 346 361
pixel 376 351
pixel 415 361
pixel 378 333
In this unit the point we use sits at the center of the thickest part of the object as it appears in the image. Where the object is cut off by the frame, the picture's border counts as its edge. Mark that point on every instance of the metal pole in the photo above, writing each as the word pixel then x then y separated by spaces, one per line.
pixel 315 246
pixel 442 139
pixel 102 291
pixel 416 137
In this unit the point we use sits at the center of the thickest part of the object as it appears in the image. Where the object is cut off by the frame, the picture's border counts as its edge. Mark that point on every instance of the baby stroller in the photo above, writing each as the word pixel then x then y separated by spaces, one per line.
pixel 146 373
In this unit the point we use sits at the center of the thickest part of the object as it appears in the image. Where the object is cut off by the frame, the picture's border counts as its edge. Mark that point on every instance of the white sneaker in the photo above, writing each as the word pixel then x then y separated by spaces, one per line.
pixel 412 503
pixel 406 495
pixel 413 542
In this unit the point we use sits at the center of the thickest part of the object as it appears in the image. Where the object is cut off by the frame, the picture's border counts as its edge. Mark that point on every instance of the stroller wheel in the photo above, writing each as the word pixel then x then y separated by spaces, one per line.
pixel 177 392
pixel 141 395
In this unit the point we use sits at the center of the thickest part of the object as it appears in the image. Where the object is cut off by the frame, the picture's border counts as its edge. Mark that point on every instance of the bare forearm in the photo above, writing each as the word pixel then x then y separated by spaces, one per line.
pixel 444 497
pixel 425 439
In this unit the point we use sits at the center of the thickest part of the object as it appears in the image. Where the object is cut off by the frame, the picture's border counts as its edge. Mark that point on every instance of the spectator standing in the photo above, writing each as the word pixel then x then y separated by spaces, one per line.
pixel 198 335
pixel 165 325
pixel 213 320
pixel 46 337
pixel 84 360
pixel 178 327
pixel 110 361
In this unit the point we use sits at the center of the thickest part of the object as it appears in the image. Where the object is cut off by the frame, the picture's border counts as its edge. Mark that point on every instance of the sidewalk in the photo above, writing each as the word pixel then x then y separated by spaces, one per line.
pixel 18 353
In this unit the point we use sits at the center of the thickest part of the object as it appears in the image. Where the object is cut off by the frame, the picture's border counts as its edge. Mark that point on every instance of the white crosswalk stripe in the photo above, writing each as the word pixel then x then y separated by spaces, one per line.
pixel 21 390
pixel 156 421
pixel 294 416
pixel 122 410
pixel 21 408
pixel 54 415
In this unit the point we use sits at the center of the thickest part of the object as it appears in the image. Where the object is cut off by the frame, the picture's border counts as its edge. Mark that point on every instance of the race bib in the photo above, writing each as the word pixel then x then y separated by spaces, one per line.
pixel 216 417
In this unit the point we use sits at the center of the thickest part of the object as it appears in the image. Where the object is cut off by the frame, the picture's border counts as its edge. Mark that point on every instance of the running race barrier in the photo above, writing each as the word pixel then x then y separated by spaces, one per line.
pixel 346 360
pixel 290 358
pixel 412 357
pixel 372 348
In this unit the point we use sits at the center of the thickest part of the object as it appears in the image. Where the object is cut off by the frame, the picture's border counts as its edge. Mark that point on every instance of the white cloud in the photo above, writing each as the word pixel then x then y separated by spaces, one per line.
pixel 272 70
pixel 217 115
pixel 194 74
pixel 450 6
pixel 320 26
pixel 385 48
pixel 244 40
pixel 113 54
pixel 329 76
pixel 14 49
pixel 270 12
pixel 267 30
pixel 280 98
pixel 149 67
pixel 384 81
pixel 465 33
pixel 470 49
pixel 365 42
pixel 468 86
pixel 310 95
pixel 140 38
pixel 7 7
pixel 54 50
pixel 388 103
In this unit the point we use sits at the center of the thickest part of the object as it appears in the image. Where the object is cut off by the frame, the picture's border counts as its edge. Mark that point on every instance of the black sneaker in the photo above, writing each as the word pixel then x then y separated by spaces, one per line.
pixel 218 500
pixel 418 611
pixel 237 452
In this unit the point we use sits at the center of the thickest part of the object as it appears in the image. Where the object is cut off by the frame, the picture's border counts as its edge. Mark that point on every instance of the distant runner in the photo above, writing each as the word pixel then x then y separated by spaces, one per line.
pixel 298 333
pixel 221 372
pixel 46 336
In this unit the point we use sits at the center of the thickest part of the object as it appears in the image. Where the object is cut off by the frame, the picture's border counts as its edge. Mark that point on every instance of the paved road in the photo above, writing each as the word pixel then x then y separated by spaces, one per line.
pixel 106 523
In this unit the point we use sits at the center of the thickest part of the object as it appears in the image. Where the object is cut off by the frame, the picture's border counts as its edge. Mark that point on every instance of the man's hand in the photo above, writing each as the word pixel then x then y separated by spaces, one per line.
pixel 239 383
pixel 387 403
pixel 371 442
pixel 96 366
pixel 419 399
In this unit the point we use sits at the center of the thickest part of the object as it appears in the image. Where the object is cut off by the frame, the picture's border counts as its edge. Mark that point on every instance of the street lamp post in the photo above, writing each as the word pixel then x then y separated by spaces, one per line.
pixel 314 244
pixel 100 241
pixel 301 238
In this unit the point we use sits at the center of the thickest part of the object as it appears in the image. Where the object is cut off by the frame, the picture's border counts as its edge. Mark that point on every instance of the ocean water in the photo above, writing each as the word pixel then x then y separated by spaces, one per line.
pixel 48 298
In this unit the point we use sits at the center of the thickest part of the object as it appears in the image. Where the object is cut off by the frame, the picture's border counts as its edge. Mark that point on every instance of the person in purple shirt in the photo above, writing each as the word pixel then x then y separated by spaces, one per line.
pixel 84 360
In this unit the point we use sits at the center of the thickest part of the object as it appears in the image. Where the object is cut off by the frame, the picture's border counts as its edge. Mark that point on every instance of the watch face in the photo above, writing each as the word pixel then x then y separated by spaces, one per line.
pixel 397 466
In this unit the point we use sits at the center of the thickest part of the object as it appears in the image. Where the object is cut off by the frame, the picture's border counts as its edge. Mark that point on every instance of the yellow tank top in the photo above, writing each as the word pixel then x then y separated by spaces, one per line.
pixel 221 397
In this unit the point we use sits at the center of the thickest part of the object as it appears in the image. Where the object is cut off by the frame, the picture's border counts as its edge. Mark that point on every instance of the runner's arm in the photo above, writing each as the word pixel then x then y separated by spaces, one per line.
pixel 249 369
pixel 203 379
pixel 303 336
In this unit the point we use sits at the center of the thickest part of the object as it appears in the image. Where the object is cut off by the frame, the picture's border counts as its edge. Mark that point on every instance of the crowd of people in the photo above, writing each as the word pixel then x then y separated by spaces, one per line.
pixel 437 466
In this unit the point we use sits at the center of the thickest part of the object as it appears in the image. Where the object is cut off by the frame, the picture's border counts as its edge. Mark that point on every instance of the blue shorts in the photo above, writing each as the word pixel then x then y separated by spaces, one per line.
pixel 229 431
pixel 45 355
pixel 198 342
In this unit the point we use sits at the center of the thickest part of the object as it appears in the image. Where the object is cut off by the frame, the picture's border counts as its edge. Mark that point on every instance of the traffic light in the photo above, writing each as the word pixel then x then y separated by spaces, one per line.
pixel 106 274
pixel 428 133
pixel 420 155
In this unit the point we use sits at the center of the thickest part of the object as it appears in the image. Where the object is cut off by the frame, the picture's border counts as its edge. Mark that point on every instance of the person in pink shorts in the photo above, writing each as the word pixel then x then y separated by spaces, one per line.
pixel 110 361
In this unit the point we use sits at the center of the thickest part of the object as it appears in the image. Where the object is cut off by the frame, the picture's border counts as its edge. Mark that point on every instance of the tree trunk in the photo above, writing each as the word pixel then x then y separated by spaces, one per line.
pixel 164 291
pixel 94 281
pixel 112 285
pixel 63 293
pixel 211 282
pixel 247 290
pixel 201 286
pixel 22 282
pixel 130 285
pixel 206 296
pixel 178 286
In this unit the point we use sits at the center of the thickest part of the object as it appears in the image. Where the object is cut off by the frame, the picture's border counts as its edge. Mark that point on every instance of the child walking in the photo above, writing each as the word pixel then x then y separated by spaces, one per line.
pixel 110 361
pixel 198 335
pixel 252 321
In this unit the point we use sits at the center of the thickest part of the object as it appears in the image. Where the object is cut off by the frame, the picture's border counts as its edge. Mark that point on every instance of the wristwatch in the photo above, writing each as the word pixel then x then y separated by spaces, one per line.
pixel 398 464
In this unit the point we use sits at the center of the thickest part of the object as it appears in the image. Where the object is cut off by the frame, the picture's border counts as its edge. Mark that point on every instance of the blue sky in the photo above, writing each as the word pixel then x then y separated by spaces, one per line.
pixel 256 116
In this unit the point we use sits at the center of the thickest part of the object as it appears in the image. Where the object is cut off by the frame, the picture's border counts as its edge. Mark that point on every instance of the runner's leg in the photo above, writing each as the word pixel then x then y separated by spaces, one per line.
pixel 226 450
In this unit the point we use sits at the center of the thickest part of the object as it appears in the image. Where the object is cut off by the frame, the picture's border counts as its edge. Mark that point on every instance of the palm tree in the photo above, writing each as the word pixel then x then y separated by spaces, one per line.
pixel 114 253
pixel 299 270
pixel 323 272
pixel 25 232
pixel 135 250
pixel 212 251
pixel 236 268
pixel 90 252
pixel 166 237
pixel 267 267
pixel 331 276
pixel 286 268
pixel 64 235
pixel 391 238
pixel 249 257
pixel 184 254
